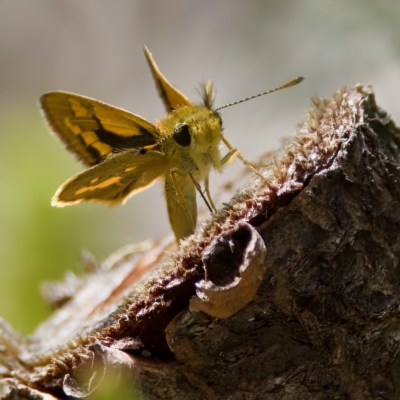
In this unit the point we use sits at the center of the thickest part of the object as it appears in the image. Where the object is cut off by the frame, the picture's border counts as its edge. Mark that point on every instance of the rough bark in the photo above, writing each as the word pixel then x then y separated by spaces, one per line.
pixel 291 291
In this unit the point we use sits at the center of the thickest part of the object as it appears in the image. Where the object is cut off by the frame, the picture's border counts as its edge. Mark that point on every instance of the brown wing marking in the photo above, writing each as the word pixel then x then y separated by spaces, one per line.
pixel 91 129
pixel 171 97
pixel 114 180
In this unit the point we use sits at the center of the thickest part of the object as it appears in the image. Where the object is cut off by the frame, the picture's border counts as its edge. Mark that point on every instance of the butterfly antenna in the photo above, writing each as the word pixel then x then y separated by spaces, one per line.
pixel 291 82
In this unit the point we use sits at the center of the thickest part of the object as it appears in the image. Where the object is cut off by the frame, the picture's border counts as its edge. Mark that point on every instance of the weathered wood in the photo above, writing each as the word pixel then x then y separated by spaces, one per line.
pixel 324 323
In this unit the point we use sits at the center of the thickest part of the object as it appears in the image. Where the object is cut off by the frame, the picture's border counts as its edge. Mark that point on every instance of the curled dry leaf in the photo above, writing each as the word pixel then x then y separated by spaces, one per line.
pixel 93 372
pixel 234 265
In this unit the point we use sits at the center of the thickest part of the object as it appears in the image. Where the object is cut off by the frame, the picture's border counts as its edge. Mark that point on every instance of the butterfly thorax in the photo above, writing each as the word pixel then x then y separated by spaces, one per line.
pixel 192 137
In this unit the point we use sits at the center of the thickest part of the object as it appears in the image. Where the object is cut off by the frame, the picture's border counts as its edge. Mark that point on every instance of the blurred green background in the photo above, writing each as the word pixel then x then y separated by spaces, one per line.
pixel 93 48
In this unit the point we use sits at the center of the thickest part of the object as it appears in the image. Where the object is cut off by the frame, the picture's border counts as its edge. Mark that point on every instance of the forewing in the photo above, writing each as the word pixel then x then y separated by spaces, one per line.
pixel 91 129
pixel 112 181
pixel 171 97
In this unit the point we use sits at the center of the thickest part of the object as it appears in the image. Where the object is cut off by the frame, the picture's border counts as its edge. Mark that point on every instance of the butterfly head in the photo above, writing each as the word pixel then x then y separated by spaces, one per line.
pixel 196 128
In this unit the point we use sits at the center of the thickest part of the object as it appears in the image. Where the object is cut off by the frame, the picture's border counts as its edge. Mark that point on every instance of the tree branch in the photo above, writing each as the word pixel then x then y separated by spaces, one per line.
pixel 297 280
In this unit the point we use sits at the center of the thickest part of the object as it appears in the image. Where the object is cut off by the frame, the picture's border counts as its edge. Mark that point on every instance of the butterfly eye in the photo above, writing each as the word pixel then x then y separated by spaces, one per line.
pixel 182 135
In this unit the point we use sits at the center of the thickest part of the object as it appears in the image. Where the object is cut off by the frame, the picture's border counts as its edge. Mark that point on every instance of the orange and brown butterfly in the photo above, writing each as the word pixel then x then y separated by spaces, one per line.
pixel 126 153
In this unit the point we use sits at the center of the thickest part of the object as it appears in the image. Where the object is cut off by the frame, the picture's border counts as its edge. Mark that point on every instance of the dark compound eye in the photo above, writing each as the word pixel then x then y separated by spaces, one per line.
pixel 182 135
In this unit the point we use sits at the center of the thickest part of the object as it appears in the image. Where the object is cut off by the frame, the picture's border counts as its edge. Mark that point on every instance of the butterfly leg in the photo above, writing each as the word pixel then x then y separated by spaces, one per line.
pixel 180 194
pixel 198 188
pixel 236 153
pixel 207 188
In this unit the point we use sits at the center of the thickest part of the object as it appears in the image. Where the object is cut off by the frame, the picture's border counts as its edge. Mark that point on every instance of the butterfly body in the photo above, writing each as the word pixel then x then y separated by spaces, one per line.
pixel 126 153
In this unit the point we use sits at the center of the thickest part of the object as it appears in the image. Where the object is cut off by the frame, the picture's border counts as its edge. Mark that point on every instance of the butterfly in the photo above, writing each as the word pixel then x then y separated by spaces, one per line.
pixel 125 153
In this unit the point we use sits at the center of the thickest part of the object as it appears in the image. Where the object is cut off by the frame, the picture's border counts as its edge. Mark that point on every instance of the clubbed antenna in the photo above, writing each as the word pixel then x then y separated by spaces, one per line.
pixel 291 82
